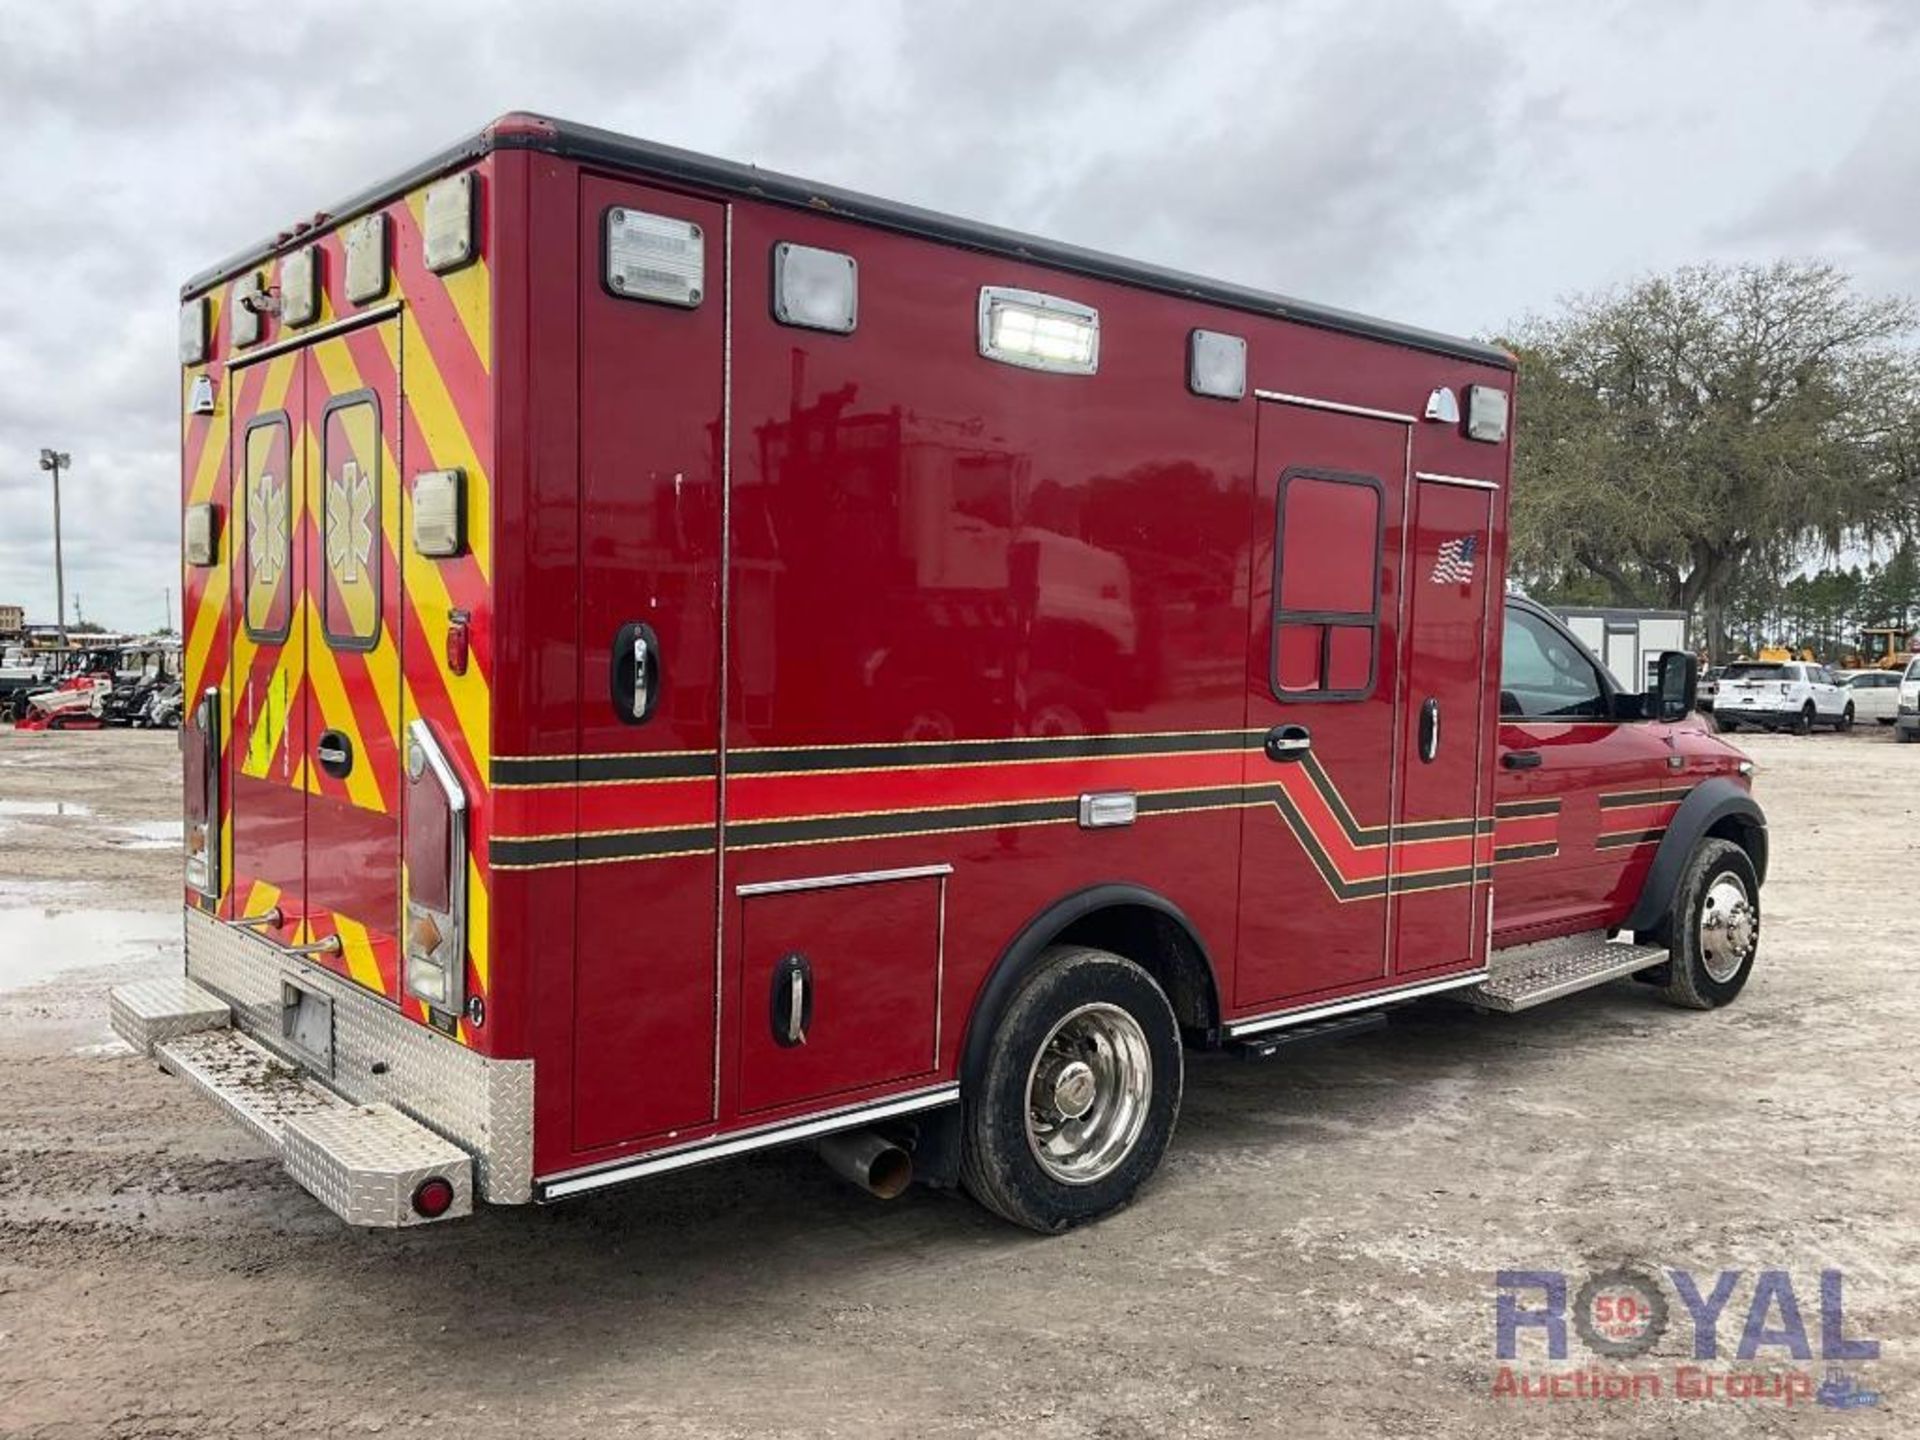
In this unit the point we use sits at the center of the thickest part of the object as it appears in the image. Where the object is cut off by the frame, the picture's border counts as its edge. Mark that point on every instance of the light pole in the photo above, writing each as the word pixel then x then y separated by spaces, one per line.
pixel 56 461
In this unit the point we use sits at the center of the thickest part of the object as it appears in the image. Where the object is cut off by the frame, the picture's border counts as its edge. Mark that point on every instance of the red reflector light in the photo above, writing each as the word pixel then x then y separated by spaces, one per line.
pixel 457 647
pixel 433 1197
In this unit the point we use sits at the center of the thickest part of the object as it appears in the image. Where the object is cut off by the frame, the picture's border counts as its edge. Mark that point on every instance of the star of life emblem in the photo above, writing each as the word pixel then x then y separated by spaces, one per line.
pixel 266 528
pixel 350 523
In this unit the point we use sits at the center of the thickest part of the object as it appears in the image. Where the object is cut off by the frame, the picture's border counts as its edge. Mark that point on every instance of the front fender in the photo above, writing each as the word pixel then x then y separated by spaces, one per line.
pixel 1711 803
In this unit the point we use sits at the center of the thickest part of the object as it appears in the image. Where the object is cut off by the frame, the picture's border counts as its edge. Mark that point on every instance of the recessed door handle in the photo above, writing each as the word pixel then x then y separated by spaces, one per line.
pixel 635 672
pixel 335 753
pixel 1521 759
pixel 1429 730
pixel 1287 743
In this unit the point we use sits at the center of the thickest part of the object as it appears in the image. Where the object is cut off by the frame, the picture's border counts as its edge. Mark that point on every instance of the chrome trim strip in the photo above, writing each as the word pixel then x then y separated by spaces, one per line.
pixel 321 332
pixel 1354 1002
pixel 1312 404
pixel 575 1182
pixel 833 882
pixel 1465 480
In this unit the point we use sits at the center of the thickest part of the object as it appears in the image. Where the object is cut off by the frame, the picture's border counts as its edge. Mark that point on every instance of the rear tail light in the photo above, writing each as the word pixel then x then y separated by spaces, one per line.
pixel 436 854
pixel 200 736
pixel 433 1197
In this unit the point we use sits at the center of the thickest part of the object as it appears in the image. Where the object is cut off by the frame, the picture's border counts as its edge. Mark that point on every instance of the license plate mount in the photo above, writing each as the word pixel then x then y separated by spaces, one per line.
pixel 306 1024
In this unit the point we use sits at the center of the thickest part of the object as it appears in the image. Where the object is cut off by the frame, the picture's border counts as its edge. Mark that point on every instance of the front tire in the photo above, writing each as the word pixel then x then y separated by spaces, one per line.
pixel 1078 1097
pixel 1846 720
pixel 1713 927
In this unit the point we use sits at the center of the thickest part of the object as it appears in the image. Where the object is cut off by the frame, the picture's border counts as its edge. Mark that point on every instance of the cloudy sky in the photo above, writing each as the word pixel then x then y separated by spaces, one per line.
pixel 1454 163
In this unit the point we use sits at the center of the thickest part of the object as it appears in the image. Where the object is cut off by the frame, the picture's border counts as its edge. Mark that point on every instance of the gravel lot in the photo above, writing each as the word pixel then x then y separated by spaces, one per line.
pixel 1316 1258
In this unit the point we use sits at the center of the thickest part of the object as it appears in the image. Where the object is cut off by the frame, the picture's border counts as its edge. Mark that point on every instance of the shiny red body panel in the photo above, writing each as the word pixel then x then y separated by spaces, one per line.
pixel 910 605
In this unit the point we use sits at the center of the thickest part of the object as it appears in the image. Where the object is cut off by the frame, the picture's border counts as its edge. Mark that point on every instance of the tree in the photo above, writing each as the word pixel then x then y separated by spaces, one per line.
pixel 1689 429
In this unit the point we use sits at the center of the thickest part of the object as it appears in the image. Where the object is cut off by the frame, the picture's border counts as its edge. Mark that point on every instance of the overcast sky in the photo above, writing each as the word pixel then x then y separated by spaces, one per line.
pixel 1453 163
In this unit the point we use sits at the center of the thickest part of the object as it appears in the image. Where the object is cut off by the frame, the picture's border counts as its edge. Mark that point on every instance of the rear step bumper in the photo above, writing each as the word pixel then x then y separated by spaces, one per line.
pixel 233 1001
pixel 366 1163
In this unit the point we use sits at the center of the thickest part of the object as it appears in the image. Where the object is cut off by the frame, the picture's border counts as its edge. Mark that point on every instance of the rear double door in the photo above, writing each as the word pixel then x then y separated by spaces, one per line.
pixel 1367 728
pixel 318 611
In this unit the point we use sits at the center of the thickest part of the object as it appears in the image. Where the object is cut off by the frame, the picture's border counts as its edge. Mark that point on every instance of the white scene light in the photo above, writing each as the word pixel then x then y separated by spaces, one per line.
pixel 1040 332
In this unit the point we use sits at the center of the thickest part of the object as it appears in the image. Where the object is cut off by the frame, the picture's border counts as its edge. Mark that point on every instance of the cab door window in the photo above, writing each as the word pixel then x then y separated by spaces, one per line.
pixel 1544 675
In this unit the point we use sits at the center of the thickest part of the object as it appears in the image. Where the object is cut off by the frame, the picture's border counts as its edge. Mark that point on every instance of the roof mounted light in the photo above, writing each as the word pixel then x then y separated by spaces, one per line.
pixel 1039 332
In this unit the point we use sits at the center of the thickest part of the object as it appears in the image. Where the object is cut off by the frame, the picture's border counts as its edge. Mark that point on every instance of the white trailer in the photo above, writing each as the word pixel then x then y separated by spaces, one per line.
pixel 1628 642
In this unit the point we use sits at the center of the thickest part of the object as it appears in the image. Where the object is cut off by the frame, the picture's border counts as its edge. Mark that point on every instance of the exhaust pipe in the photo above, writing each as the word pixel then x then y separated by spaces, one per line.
pixel 869 1160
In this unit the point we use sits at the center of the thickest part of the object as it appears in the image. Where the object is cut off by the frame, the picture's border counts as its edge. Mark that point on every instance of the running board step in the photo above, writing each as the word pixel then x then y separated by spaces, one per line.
pixel 1527 975
pixel 1293 1037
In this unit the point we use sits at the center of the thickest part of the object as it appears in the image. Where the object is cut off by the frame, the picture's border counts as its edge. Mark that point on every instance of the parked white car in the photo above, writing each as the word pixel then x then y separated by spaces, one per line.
pixel 1875 694
pixel 1906 721
pixel 1781 695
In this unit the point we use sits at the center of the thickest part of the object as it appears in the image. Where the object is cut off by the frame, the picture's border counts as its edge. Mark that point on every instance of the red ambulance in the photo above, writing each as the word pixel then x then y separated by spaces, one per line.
pixel 683 660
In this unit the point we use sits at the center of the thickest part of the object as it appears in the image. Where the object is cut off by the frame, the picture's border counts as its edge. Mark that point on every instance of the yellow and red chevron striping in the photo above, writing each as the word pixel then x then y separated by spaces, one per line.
pixel 431 366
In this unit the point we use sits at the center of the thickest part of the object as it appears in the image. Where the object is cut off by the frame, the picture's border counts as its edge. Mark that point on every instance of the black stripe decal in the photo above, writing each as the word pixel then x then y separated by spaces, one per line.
pixel 1545 851
pixel 1639 797
pixel 1628 837
pixel 512 770
pixel 985 752
pixel 587 849
pixel 758 834
pixel 1514 809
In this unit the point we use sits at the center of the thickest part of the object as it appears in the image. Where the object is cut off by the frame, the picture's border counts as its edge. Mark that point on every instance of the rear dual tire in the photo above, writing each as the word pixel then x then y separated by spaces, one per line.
pixel 1077 1100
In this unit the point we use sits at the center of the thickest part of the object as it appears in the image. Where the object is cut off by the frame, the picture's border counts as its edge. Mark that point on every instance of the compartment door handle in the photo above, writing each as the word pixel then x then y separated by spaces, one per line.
pixel 634 673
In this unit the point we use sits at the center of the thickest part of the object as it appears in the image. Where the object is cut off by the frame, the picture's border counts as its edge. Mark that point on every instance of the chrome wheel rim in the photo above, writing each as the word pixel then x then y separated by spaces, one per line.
pixel 1728 927
pixel 1088 1090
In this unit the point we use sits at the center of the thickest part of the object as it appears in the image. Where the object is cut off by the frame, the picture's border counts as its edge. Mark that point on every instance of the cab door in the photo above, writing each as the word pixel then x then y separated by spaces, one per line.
pixel 1582 794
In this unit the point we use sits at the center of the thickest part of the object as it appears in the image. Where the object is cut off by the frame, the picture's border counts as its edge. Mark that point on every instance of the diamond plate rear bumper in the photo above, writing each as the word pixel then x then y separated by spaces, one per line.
pixel 379 1057
pixel 362 1162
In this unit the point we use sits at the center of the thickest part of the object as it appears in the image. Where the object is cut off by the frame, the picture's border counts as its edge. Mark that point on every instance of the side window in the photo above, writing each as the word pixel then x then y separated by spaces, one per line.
pixel 350 522
pixel 1326 586
pixel 1542 675
pixel 267 500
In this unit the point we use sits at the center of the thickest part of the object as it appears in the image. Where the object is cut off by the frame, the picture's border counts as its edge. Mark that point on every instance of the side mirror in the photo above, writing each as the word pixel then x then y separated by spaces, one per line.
pixel 1676 686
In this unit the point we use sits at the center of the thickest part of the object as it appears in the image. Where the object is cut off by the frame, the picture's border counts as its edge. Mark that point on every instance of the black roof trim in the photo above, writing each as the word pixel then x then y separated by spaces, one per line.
pixel 588 143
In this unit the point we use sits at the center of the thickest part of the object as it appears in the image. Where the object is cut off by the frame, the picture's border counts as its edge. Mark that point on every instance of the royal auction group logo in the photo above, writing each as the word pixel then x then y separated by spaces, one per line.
pixel 1622 1314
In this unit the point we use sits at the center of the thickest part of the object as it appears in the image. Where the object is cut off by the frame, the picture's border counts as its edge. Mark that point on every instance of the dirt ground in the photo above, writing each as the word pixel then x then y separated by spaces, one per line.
pixel 1317 1257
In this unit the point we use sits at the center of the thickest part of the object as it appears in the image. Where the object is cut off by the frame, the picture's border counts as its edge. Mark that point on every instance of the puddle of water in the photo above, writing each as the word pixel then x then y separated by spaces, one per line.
pixel 147 835
pixel 37 944
pixel 58 808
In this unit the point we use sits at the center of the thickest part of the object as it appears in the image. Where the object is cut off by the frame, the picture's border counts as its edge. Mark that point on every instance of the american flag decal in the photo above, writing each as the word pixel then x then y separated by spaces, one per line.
pixel 1454 564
